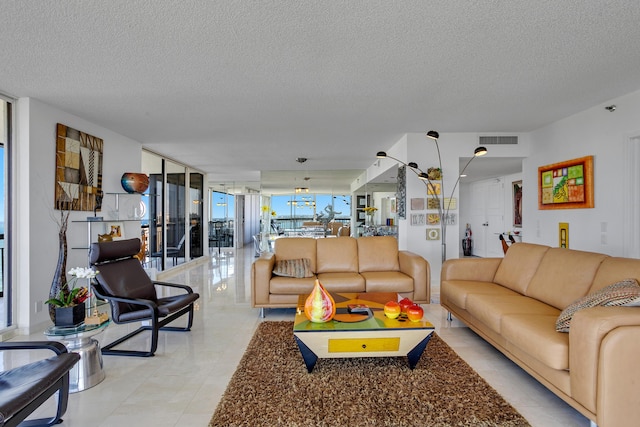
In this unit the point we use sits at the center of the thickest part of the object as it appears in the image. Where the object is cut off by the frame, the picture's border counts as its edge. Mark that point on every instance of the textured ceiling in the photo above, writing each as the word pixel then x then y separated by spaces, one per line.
pixel 238 87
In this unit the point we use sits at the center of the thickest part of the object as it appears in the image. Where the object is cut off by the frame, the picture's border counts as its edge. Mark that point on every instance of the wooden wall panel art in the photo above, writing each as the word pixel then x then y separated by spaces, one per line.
pixel 78 170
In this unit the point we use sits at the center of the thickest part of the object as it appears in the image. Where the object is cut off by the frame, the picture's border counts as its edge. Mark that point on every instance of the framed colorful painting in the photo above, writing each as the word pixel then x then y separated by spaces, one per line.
pixel 566 185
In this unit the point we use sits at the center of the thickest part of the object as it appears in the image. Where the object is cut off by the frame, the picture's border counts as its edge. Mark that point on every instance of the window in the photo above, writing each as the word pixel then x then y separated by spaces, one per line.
pixel 5 282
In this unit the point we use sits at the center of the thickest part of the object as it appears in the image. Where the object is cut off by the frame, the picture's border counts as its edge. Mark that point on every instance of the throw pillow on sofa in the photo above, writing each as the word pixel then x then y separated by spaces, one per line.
pixel 620 293
pixel 298 268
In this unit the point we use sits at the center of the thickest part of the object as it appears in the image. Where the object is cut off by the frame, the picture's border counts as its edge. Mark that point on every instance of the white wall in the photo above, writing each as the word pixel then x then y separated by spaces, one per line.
pixel 36 240
pixel 606 136
pixel 416 147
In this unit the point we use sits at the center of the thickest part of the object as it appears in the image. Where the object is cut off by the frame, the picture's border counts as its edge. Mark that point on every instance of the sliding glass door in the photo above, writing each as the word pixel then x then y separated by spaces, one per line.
pixel 174 211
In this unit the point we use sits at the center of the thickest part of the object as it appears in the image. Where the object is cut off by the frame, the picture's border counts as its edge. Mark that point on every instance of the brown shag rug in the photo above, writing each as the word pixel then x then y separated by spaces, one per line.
pixel 271 387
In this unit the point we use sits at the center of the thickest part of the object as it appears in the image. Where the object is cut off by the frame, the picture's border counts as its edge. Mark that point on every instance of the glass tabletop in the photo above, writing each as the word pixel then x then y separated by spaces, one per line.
pixel 376 320
pixel 81 329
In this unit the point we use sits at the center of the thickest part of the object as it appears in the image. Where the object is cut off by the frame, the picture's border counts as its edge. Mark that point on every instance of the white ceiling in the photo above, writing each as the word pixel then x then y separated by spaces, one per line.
pixel 238 87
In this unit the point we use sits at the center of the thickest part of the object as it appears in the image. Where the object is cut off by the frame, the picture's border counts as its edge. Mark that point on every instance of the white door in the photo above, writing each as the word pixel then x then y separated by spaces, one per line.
pixel 477 222
pixel 487 217
pixel 494 213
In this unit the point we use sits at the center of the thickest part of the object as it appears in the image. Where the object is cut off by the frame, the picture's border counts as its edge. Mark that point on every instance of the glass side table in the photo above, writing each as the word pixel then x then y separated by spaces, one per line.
pixel 89 371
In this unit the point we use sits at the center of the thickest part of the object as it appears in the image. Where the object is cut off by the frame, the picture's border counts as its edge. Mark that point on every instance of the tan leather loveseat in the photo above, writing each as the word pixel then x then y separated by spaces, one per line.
pixel 514 304
pixel 342 264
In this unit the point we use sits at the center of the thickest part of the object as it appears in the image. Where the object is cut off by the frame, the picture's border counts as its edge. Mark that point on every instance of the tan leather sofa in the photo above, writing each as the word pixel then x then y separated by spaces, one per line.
pixel 342 264
pixel 513 303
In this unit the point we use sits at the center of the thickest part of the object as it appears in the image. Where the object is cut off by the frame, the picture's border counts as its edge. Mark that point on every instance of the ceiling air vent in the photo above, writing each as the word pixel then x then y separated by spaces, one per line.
pixel 498 140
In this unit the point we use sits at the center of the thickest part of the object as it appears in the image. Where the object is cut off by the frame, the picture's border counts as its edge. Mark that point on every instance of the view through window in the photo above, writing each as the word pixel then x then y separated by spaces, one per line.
pixel 292 210
pixel 221 222
pixel 5 294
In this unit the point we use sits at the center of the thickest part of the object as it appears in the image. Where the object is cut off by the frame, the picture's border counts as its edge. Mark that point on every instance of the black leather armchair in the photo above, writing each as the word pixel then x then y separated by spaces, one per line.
pixel 132 294
pixel 24 388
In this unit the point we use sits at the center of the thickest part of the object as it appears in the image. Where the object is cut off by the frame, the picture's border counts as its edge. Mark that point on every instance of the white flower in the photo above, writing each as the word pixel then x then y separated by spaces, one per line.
pixel 83 273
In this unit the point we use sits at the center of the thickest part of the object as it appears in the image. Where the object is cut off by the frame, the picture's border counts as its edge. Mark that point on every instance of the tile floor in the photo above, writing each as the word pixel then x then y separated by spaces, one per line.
pixel 182 384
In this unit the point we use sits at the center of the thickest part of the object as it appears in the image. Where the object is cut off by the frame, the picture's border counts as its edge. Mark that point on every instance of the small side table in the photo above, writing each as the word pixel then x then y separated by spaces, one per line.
pixel 89 371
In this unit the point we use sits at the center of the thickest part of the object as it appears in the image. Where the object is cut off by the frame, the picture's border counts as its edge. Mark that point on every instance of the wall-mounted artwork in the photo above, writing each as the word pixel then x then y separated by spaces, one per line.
pixel 433 188
pixel 517 203
pixel 433 219
pixel 78 170
pixel 563 235
pixel 417 204
pixel 566 185
pixel 450 219
pixel 433 234
pixel 433 203
pixel 417 219
pixel 450 203
pixel 401 192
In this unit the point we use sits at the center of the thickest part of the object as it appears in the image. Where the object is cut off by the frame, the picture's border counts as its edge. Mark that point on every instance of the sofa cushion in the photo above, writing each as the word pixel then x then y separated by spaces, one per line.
pixel 619 293
pixel 342 282
pixel 564 276
pixel 387 281
pixel 457 291
pixel 337 255
pixel 519 265
pixel 291 285
pixel 300 267
pixel 295 248
pixel 378 253
pixel 491 309
pixel 535 334
pixel 614 269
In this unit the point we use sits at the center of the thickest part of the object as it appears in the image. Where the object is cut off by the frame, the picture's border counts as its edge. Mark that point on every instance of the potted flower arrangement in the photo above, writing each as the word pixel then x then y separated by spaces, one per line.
pixel 69 303
pixel 370 211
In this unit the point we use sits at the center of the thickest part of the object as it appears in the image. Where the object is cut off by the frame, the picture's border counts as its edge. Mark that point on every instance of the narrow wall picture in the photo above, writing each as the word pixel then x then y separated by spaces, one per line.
pixel 563 235
pixel 517 203
pixel 78 170
pixel 401 192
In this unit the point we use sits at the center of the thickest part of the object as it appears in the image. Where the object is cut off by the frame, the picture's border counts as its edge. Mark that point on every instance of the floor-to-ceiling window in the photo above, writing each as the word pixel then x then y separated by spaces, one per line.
pixel 173 216
pixel 5 282
pixel 196 206
pixel 292 211
pixel 176 218
pixel 152 220
pixel 221 220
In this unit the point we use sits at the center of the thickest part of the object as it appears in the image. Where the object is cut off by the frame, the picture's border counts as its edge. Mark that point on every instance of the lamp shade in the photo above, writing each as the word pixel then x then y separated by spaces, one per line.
pixel 381 155
pixel 433 134
pixel 413 165
pixel 480 151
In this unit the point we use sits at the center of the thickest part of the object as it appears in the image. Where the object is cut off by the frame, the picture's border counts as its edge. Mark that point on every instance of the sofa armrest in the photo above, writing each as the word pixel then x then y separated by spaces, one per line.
pixel 604 343
pixel 478 269
pixel 261 272
pixel 416 267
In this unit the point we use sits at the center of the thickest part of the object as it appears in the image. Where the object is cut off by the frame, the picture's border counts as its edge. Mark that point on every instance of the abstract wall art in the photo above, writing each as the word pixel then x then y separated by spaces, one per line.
pixel 78 170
